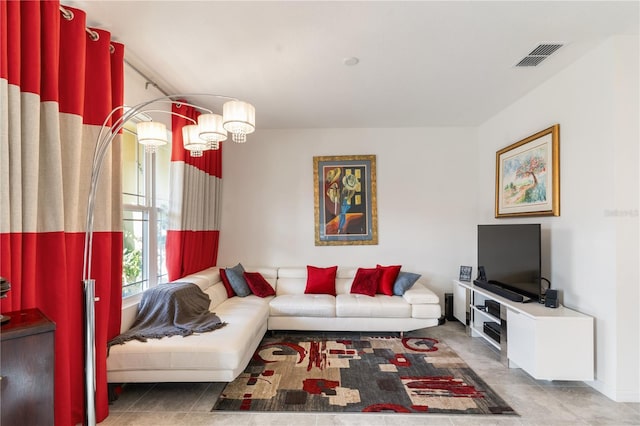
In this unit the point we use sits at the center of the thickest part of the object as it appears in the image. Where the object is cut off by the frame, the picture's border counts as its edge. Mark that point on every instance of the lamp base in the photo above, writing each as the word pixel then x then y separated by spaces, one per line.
pixel 4 318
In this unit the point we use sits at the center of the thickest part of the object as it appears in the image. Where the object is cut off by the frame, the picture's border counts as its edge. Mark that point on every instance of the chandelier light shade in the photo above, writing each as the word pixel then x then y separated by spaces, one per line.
pixel 211 130
pixel 239 119
pixel 192 141
pixel 151 134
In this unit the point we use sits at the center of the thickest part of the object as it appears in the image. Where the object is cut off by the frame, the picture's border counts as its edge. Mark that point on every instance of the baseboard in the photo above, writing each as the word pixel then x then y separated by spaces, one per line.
pixel 614 394
pixel 628 396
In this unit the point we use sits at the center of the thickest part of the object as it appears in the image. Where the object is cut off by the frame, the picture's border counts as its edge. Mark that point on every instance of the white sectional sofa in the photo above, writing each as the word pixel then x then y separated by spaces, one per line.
pixel 221 355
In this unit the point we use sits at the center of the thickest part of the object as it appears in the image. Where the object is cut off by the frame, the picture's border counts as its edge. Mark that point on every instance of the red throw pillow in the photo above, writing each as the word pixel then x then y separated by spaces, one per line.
pixel 225 281
pixel 388 278
pixel 321 280
pixel 366 281
pixel 258 285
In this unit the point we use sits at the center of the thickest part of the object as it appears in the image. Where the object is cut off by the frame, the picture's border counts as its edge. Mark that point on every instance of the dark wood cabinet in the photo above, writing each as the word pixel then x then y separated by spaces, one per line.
pixel 26 369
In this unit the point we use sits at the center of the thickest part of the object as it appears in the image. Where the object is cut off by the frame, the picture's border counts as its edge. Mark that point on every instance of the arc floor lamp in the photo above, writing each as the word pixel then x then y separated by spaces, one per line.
pixel 205 133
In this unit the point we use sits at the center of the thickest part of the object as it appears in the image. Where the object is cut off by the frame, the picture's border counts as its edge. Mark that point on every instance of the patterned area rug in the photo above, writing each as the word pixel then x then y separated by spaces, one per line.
pixel 363 374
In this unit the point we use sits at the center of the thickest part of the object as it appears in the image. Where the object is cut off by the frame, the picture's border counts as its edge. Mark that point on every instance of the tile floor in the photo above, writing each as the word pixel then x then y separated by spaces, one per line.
pixel 537 402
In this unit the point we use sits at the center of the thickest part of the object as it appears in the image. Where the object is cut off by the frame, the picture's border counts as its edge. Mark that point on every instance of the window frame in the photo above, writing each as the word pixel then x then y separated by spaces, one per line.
pixel 151 250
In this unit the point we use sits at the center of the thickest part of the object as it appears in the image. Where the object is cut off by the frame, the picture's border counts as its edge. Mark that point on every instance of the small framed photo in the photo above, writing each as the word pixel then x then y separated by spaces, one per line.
pixel 465 273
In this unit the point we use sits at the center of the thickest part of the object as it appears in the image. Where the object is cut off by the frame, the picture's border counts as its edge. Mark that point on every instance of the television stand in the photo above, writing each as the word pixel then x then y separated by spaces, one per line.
pixel 547 343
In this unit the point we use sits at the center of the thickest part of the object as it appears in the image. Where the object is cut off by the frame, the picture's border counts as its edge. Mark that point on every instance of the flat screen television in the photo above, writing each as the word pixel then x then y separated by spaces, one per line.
pixel 511 257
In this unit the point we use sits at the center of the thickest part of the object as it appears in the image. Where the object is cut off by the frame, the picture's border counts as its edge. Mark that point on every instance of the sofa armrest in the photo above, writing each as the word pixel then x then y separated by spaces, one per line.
pixel 129 314
pixel 419 294
pixel 205 279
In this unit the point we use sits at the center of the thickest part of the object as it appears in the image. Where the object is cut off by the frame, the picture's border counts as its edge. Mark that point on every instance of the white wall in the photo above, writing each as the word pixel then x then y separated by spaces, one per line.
pixel 425 180
pixel 593 246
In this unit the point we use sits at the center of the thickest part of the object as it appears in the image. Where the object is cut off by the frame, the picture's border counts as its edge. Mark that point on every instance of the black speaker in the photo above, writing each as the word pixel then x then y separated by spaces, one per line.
pixel 482 275
pixel 448 306
pixel 551 298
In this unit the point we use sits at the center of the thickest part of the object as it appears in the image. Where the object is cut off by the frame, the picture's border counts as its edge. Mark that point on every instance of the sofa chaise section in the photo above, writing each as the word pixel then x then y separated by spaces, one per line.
pixel 220 355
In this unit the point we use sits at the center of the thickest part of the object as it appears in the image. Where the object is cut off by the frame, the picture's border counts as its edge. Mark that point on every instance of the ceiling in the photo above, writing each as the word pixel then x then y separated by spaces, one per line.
pixel 421 63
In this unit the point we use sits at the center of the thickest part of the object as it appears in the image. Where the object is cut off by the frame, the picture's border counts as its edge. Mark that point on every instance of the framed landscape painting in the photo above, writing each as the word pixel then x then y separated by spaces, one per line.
pixel 528 176
pixel 345 200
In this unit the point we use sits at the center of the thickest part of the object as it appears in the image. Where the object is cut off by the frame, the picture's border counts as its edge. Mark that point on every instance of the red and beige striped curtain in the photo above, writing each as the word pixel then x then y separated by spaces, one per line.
pixel 194 212
pixel 58 82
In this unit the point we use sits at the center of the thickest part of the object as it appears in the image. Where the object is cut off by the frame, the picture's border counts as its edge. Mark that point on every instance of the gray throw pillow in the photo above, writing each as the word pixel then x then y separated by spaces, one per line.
pixel 404 282
pixel 237 281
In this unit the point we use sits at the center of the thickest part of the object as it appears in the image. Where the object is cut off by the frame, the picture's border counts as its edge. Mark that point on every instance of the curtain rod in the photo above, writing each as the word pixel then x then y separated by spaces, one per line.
pixel 149 82
pixel 68 14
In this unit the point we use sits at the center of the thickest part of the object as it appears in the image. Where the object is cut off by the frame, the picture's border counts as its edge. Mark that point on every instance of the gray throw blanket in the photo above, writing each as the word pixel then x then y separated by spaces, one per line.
pixel 179 308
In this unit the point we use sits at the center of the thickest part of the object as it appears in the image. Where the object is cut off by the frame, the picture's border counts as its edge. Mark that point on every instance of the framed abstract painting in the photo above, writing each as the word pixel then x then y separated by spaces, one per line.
pixel 345 200
pixel 528 176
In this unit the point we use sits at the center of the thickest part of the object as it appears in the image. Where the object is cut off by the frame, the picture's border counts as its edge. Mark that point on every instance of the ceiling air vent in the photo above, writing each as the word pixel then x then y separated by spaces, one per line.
pixel 539 54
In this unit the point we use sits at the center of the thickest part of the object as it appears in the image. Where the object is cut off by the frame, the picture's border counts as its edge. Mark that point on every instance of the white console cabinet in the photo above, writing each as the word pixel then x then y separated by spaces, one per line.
pixel 548 343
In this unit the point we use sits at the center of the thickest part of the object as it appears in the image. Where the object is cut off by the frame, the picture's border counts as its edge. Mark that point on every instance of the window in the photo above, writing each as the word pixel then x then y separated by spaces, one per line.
pixel 145 187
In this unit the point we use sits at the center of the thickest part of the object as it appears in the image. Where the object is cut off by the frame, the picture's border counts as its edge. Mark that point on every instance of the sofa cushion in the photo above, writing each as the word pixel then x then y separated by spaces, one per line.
pixel 366 281
pixel 388 278
pixel 346 272
pixel 378 306
pixel 321 280
pixel 426 310
pixel 270 274
pixel 258 285
pixel 294 272
pixel 420 294
pixel 303 305
pixel 292 280
pixel 225 282
pixel 217 293
pixel 404 282
pixel 203 279
pixel 236 279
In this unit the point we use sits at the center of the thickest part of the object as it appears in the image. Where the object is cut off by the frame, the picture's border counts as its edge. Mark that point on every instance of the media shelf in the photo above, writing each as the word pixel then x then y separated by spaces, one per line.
pixel 548 343
pixel 480 316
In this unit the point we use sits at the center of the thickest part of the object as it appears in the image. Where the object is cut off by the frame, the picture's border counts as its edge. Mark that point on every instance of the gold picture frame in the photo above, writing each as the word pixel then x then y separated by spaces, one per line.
pixel 528 176
pixel 345 200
